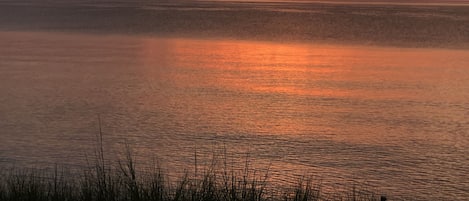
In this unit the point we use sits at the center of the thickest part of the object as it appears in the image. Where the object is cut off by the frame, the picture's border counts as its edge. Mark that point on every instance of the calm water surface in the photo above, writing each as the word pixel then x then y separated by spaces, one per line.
pixel 395 118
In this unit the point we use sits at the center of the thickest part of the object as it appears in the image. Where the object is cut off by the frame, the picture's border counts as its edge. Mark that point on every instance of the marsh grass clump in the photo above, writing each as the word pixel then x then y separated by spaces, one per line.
pixel 122 180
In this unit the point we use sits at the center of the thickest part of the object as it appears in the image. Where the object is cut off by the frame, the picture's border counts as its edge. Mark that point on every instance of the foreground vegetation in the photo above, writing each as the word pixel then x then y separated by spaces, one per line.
pixel 122 181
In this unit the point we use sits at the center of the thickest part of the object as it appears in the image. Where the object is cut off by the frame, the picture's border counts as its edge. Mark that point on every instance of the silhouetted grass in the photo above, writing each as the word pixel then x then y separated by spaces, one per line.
pixel 106 182
pixel 122 181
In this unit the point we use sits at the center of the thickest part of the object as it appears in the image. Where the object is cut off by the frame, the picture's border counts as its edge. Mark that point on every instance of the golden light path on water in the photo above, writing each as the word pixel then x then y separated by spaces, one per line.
pixel 286 68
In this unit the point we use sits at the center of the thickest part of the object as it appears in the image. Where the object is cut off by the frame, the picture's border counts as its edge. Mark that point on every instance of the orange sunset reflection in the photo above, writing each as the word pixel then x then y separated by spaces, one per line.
pixel 297 69
pixel 258 67
pixel 297 82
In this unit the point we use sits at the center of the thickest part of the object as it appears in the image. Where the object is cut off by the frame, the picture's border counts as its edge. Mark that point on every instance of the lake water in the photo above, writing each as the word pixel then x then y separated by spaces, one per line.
pixel 343 105
pixel 391 117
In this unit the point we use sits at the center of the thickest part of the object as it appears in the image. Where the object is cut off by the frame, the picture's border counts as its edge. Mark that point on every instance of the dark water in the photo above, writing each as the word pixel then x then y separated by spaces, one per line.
pixel 395 117
pixel 416 25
